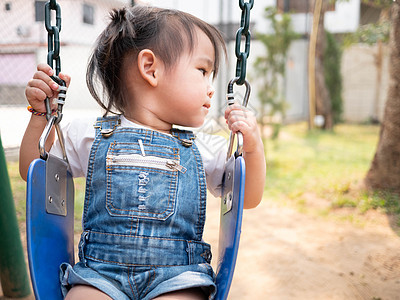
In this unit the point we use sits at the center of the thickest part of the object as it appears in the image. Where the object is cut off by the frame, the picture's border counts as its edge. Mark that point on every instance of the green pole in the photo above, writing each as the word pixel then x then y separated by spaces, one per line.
pixel 13 273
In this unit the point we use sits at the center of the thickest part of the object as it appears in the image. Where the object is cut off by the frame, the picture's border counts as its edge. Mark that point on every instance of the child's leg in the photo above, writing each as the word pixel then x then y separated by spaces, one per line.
pixel 86 292
pixel 189 294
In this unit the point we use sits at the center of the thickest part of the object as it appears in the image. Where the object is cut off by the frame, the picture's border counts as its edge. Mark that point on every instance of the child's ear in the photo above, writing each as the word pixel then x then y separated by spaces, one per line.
pixel 148 65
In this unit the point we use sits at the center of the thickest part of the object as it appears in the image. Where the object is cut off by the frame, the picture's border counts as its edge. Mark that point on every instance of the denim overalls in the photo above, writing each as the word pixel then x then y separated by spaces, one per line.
pixel 144 214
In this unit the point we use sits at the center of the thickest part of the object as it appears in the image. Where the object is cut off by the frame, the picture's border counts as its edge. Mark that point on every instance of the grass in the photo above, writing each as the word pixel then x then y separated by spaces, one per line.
pixel 19 189
pixel 316 171
pixel 317 161
pixel 323 171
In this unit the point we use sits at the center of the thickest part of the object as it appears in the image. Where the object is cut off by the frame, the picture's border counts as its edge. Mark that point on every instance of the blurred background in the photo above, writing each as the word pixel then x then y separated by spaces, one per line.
pixel 23 44
pixel 324 90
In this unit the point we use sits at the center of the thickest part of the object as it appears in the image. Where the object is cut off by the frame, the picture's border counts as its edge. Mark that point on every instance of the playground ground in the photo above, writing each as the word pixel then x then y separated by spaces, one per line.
pixel 286 254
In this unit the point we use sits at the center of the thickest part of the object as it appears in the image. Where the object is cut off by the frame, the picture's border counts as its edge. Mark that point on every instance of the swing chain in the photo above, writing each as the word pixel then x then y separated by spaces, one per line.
pixel 53 37
pixel 240 78
pixel 53 55
pixel 243 32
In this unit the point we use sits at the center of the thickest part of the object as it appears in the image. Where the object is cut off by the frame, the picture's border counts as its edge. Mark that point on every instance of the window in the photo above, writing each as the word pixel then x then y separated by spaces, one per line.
pixel 7 6
pixel 88 14
pixel 39 10
pixel 299 6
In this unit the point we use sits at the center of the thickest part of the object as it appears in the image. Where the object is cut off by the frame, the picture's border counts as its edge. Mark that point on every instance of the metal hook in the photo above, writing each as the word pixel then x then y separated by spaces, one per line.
pixel 45 134
pixel 231 100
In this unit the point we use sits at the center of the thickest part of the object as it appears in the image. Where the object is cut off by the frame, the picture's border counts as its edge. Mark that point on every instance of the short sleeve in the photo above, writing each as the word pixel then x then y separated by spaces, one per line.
pixel 78 139
pixel 213 149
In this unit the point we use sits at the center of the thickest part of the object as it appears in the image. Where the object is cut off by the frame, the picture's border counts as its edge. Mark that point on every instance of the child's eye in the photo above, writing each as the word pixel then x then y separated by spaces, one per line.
pixel 203 71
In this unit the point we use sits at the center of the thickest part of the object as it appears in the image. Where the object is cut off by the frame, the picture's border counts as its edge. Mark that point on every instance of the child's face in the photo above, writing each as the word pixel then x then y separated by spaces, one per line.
pixel 186 89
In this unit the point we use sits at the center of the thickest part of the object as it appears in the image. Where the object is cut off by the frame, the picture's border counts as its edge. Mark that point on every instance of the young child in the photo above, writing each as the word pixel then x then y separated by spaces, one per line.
pixel 146 181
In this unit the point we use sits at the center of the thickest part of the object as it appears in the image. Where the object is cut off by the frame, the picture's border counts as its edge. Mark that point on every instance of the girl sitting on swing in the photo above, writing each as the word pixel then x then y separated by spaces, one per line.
pixel 146 181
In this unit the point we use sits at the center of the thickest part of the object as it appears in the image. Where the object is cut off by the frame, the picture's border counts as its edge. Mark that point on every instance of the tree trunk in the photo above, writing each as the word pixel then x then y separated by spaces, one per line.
pixel 322 97
pixel 384 172
pixel 378 58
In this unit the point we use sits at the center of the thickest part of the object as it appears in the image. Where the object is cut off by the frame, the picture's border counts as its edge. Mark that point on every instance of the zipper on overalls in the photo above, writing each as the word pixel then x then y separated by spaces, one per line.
pixel 137 160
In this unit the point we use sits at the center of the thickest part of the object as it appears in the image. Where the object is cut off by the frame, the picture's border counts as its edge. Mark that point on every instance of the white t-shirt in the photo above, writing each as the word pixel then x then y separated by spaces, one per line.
pixel 80 134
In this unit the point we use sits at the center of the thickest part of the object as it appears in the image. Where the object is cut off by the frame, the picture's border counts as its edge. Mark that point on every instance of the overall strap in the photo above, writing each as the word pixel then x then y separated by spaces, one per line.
pixel 106 125
pixel 186 137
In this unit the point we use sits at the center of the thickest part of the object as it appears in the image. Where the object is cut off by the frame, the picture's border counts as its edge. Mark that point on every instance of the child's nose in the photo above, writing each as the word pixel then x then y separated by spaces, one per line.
pixel 210 91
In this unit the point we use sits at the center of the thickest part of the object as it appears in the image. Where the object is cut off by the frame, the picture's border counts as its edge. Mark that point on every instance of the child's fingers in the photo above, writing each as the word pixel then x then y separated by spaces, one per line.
pixel 41 86
pixel 37 91
pixel 44 73
pixel 34 94
pixel 45 68
pixel 241 119
pixel 239 114
pixel 230 108
pixel 65 77
pixel 241 126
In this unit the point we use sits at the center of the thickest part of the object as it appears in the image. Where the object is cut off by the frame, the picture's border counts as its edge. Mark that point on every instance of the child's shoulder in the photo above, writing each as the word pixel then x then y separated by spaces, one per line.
pixel 77 125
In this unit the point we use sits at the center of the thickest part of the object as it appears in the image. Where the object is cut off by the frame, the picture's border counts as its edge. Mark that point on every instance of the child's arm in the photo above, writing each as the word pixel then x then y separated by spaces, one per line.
pixel 241 119
pixel 38 88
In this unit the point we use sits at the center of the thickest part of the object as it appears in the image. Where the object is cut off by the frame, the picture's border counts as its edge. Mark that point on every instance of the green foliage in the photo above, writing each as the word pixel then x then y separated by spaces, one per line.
pixel 270 67
pixel 18 187
pixel 79 184
pixel 333 76
pixel 379 3
pixel 369 34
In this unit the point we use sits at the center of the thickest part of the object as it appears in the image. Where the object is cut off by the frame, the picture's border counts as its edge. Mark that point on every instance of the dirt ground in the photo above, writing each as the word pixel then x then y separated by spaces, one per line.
pixel 286 254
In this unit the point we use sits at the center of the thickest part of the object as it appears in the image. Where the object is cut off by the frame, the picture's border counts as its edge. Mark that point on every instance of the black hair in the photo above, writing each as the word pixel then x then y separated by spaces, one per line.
pixel 166 32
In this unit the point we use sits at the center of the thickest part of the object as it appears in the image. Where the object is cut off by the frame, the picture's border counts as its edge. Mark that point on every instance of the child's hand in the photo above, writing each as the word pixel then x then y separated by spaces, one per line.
pixel 241 119
pixel 42 86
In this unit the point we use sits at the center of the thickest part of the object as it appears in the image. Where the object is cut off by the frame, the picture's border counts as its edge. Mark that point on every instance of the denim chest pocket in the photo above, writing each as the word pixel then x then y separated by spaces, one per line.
pixel 142 180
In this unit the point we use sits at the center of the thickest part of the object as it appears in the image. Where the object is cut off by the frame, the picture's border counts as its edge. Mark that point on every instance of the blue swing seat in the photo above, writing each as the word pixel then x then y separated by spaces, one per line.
pixel 50 231
pixel 230 224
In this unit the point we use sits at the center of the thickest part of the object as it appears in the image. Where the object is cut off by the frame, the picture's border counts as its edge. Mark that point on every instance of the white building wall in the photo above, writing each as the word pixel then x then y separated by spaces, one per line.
pixel 345 18
pixel 360 83
pixel 74 30
pixel 21 27
pixel 20 18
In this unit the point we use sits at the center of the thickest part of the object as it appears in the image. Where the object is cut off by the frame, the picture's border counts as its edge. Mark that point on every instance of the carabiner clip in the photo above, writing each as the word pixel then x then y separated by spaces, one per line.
pixel 231 100
pixel 53 120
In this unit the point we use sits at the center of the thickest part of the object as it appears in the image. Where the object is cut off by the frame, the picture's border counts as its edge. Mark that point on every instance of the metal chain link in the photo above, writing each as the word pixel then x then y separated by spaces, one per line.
pixel 53 37
pixel 243 31
pixel 53 55
pixel 241 65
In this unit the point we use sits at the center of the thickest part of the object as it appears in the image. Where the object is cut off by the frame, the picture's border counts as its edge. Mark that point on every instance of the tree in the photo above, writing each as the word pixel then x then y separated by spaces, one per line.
pixel 384 172
pixel 270 68
pixel 333 76
pixel 323 104
pixel 374 34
